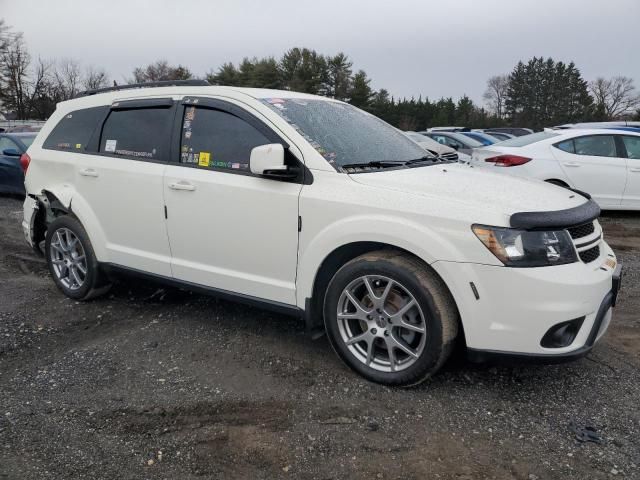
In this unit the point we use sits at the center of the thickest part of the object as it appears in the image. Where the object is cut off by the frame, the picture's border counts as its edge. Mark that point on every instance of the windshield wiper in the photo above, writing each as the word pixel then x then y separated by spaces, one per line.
pixel 375 164
pixel 426 158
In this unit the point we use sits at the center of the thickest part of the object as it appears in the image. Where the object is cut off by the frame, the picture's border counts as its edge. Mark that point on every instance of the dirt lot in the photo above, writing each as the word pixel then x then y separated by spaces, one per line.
pixel 160 383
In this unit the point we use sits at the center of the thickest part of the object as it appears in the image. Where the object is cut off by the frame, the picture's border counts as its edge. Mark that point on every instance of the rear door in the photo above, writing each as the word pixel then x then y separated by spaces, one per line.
pixel 631 145
pixel 594 164
pixel 230 229
pixel 120 178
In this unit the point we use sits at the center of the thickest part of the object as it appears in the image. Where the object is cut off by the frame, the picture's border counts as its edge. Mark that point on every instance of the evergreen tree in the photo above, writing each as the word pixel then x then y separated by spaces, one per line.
pixel 338 76
pixel 227 74
pixel 543 92
pixel 304 70
pixel 361 93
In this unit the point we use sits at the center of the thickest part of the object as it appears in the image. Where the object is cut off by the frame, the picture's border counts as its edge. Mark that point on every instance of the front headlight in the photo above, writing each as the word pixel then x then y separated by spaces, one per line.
pixel 522 248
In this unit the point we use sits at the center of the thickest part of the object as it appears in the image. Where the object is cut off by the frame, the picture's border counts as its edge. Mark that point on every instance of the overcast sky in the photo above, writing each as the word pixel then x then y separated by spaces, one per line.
pixel 434 48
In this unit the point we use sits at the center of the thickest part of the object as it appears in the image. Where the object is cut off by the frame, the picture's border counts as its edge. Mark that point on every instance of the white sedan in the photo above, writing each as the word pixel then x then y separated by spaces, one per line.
pixel 604 163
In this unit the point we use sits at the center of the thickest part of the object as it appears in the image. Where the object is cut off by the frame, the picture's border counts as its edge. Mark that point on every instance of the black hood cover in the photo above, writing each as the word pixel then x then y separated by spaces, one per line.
pixel 572 217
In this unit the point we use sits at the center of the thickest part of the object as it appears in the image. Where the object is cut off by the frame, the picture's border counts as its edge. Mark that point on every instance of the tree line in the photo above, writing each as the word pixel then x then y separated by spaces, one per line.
pixel 535 94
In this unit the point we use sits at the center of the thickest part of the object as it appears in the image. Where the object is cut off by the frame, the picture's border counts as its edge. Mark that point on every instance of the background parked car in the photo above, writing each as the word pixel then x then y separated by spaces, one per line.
pixel 483 138
pixel 499 135
pixel 620 123
pixel 454 140
pixel 12 146
pixel 437 149
pixel 516 131
pixel 602 162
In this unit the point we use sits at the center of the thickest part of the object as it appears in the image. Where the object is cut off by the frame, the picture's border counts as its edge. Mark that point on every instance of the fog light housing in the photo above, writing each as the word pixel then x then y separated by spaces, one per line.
pixel 562 334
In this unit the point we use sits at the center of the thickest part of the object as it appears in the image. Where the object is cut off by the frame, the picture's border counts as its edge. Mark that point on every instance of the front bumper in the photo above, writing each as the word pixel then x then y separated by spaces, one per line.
pixel 515 307
pixel 597 329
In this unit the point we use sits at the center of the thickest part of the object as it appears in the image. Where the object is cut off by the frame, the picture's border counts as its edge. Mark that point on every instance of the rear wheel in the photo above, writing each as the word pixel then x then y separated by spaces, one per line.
pixel 390 318
pixel 71 260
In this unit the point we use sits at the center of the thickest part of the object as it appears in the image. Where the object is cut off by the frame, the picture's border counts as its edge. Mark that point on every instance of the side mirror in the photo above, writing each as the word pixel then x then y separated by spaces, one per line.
pixel 11 152
pixel 268 160
pixel 454 146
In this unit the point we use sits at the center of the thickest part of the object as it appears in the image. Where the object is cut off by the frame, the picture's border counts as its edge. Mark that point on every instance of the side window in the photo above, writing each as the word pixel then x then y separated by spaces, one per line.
pixel 74 130
pixel 595 145
pixel 566 146
pixel 141 133
pixel 632 144
pixel 218 140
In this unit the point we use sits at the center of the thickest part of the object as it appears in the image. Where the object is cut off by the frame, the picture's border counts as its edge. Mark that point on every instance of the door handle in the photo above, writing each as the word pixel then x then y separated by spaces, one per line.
pixel 635 169
pixel 182 186
pixel 88 172
pixel 571 164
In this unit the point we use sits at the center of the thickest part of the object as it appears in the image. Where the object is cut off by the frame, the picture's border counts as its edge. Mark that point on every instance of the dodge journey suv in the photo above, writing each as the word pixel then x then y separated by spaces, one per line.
pixel 310 206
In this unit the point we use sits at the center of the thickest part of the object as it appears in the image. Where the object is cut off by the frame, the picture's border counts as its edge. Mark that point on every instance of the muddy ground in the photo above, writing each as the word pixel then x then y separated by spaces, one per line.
pixel 160 383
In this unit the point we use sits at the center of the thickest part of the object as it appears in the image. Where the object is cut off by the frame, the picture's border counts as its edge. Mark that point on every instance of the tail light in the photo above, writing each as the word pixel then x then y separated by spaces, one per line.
pixel 25 160
pixel 507 160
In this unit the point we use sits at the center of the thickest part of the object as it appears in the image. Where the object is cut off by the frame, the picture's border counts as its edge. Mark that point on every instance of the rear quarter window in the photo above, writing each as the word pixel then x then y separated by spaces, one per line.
pixel 75 129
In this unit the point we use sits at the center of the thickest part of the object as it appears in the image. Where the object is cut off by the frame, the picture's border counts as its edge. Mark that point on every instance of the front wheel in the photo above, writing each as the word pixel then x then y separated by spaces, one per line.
pixel 390 318
pixel 71 261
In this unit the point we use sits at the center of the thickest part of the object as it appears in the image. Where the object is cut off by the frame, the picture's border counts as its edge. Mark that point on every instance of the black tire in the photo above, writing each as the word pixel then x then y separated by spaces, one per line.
pixel 559 183
pixel 440 315
pixel 95 282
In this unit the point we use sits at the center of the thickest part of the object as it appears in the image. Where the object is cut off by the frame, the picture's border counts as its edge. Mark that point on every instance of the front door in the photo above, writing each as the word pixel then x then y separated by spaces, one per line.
pixel 631 197
pixel 229 229
pixel 593 164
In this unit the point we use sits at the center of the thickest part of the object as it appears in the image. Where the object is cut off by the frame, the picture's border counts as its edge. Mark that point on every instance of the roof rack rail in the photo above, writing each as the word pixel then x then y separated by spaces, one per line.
pixel 162 83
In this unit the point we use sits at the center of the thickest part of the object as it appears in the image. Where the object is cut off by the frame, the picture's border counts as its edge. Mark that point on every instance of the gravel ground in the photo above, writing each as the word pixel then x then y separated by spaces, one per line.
pixel 160 383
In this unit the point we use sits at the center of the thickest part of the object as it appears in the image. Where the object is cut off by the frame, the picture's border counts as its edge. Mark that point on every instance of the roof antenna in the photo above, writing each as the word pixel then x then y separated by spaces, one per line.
pixel 115 84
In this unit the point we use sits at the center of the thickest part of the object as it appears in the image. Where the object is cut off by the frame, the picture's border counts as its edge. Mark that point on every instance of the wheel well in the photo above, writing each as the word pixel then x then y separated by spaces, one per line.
pixel 330 265
pixel 49 209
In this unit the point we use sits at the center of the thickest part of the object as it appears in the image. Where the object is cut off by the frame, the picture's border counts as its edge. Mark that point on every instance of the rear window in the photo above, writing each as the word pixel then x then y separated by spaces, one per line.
pixel 141 133
pixel 528 139
pixel 74 130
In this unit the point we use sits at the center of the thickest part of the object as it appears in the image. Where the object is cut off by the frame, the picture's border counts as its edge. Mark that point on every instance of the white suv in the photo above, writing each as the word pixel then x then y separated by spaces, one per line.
pixel 312 207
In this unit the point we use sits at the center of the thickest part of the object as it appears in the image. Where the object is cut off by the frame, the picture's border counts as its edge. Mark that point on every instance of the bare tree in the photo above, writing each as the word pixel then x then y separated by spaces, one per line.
pixel 14 74
pixel 496 94
pixel 615 97
pixel 94 78
pixel 160 70
pixel 66 79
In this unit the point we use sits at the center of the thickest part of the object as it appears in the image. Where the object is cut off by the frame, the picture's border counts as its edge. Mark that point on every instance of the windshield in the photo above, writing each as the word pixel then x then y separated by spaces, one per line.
pixel 344 134
pixel 527 139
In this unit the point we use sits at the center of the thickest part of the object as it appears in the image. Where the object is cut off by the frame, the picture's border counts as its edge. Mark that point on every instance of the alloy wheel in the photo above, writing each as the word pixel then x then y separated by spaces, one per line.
pixel 381 323
pixel 68 259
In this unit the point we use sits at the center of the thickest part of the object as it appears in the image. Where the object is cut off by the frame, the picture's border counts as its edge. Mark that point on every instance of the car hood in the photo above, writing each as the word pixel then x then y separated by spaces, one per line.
pixel 477 188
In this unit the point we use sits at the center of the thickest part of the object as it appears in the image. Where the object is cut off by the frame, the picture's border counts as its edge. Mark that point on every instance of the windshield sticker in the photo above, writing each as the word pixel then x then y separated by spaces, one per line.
pixel 78 145
pixel 63 145
pixel 203 159
pixel 191 113
pixel 110 146
pixel 187 134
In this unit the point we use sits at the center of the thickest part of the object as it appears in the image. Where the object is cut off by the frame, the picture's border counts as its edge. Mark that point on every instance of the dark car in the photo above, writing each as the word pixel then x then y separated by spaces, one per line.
pixel 518 132
pixel 12 146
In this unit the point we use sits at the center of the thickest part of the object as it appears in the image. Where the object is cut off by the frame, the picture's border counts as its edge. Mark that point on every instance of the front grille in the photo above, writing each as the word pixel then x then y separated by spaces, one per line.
pixel 450 156
pixel 588 256
pixel 581 230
